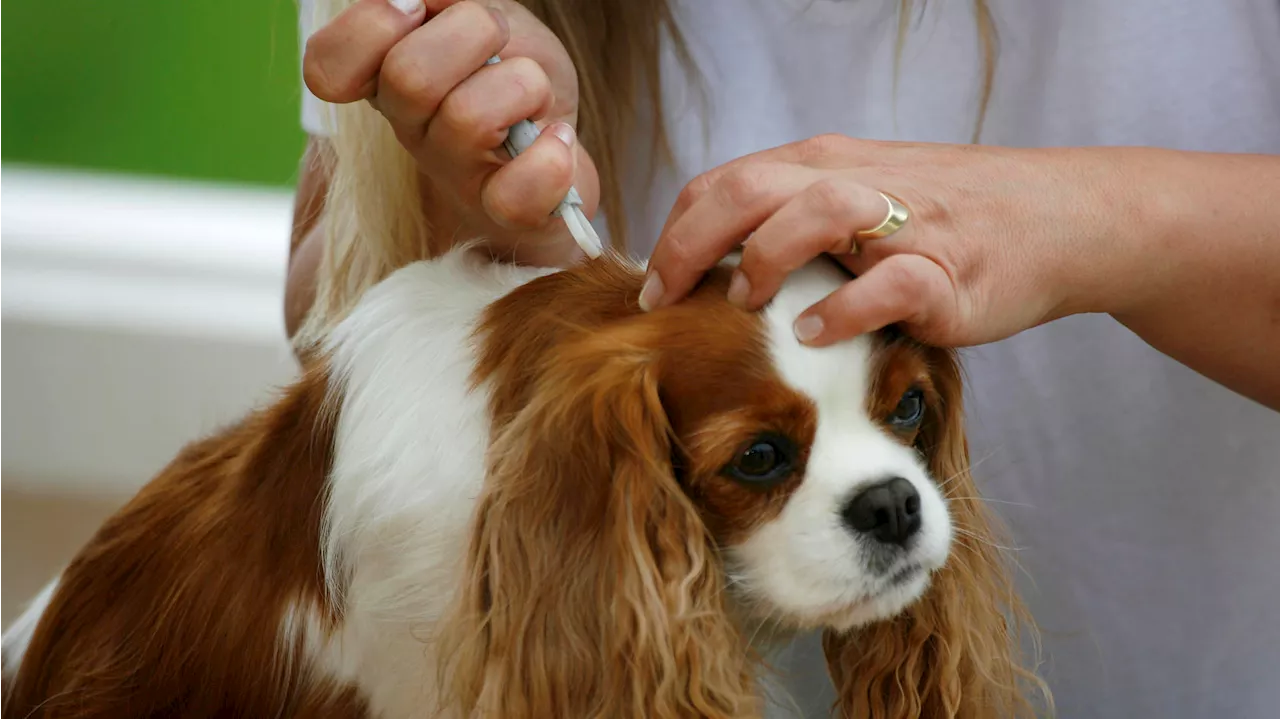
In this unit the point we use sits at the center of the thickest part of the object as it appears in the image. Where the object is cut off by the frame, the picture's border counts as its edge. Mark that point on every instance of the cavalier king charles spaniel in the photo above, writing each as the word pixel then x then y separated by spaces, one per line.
pixel 508 492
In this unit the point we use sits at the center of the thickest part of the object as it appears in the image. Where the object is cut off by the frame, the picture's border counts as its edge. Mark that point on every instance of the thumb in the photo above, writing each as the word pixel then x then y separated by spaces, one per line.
pixel 901 288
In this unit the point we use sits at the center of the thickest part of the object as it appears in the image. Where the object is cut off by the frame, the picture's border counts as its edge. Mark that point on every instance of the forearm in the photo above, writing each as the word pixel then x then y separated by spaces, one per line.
pixel 1204 284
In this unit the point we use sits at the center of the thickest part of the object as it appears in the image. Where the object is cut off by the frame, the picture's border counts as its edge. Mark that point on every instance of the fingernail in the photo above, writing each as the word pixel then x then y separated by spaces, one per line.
pixel 808 328
pixel 739 289
pixel 408 7
pixel 564 132
pixel 651 293
pixel 498 17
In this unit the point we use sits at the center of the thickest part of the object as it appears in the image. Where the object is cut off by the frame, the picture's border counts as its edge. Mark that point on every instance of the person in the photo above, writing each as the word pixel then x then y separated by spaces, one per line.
pixel 1090 192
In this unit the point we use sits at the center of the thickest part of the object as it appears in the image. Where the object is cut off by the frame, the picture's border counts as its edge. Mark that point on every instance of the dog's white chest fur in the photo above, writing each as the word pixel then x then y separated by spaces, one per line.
pixel 408 468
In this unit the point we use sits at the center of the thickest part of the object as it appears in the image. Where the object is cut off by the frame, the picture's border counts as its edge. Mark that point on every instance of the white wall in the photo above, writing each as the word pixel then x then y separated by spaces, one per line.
pixel 137 315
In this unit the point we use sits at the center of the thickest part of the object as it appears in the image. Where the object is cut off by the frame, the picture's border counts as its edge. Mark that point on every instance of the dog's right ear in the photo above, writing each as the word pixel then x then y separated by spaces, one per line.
pixel 591 586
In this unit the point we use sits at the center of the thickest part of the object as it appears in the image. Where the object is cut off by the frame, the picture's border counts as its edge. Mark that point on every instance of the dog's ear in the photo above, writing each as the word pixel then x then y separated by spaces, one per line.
pixel 591 586
pixel 955 652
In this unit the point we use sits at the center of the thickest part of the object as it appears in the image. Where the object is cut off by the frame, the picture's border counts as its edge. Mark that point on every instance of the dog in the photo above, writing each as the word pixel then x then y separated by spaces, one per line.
pixel 509 492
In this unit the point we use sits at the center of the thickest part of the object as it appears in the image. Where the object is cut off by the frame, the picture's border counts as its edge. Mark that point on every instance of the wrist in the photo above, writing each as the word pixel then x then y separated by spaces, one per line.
pixel 1127 210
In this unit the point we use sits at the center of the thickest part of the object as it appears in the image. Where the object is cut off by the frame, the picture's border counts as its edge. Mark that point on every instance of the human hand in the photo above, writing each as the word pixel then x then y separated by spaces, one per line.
pixel 423 67
pixel 998 240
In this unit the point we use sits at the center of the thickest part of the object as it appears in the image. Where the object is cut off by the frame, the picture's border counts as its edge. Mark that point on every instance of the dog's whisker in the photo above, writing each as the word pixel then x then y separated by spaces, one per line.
pixel 983 540
pixel 990 500
pixel 965 472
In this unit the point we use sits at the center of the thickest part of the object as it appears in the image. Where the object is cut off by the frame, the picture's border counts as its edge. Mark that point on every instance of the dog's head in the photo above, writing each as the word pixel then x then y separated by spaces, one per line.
pixel 659 484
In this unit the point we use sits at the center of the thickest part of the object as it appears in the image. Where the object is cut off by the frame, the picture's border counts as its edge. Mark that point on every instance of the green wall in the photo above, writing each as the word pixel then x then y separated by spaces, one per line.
pixel 204 89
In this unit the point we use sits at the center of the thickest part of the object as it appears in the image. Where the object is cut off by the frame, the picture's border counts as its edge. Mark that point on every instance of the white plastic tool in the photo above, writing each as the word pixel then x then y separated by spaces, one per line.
pixel 519 137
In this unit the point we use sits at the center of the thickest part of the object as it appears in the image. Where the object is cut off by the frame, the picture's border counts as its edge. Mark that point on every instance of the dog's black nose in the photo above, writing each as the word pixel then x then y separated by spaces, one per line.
pixel 889 511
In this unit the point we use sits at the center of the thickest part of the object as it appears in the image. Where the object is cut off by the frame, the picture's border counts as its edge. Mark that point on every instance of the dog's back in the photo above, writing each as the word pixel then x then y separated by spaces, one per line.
pixel 173 604
pixel 208 594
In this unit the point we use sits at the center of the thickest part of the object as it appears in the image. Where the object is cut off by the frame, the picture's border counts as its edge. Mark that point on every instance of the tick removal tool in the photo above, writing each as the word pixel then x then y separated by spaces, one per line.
pixel 519 137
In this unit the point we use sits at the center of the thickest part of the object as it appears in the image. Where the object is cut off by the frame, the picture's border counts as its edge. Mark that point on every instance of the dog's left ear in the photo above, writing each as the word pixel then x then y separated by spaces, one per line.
pixel 955 652
pixel 591 587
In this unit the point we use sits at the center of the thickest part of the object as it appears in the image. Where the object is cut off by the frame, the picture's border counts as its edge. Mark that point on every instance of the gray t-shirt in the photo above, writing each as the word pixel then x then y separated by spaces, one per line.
pixel 1145 499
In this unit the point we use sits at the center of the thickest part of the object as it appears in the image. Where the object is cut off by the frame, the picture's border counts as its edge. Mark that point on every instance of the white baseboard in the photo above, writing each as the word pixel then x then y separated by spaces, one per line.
pixel 138 314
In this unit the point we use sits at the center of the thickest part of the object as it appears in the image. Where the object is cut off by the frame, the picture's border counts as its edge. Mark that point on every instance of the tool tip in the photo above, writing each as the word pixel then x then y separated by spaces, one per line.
pixel 583 233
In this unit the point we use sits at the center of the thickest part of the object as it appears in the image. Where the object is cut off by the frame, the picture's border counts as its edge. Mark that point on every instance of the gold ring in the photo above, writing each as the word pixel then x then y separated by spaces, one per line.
pixel 893 221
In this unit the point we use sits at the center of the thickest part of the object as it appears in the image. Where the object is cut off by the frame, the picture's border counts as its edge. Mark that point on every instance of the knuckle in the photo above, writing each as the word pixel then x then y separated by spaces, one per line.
pixel 462 114
pixel 405 75
pixel 696 188
pixel 478 20
pixel 529 76
pixel 832 198
pixel 743 186
pixel 678 251
pixel 823 145
pixel 318 75
pixel 679 254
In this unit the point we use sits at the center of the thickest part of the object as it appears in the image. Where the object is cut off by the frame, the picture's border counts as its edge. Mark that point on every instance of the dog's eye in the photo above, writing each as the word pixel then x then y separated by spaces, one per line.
pixel 765 461
pixel 910 410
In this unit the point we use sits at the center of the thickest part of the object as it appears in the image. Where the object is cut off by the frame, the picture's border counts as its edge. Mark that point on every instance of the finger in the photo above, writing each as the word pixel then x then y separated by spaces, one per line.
pixel 341 60
pixel 475 116
pixel 819 151
pixel 903 288
pixel 714 225
pixel 823 218
pixel 523 193
pixel 435 58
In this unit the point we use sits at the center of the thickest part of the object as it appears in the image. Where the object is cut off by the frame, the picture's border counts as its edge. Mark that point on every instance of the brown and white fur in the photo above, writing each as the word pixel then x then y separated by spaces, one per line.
pixel 508 492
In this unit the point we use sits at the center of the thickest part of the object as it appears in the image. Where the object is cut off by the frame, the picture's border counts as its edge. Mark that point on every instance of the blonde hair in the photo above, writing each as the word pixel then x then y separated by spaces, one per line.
pixel 373 219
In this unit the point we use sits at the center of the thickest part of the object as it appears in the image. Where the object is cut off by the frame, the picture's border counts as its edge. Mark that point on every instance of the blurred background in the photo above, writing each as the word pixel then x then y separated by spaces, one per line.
pixel 146 167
